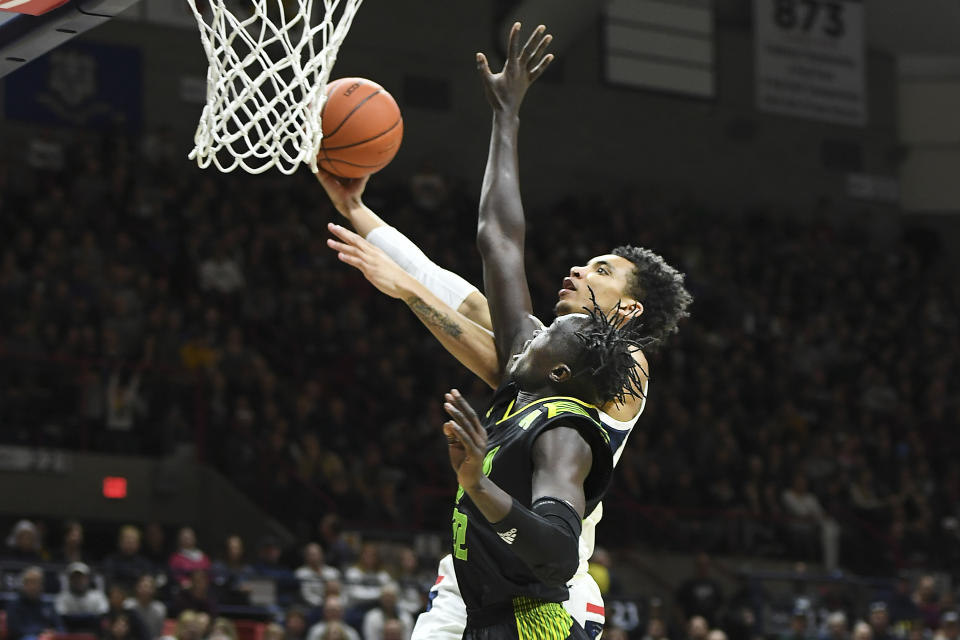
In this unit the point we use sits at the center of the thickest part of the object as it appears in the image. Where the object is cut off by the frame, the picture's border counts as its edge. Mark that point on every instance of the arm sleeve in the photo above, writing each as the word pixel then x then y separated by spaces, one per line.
pixel 545 536
pixel 444 284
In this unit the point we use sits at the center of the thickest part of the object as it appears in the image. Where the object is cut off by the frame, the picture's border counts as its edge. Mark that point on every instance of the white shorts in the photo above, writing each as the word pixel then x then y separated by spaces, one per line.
pixel 446 615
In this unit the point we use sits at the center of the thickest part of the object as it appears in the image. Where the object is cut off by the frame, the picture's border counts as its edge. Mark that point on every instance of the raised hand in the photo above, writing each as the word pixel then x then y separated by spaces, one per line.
pixel 505 90
pixel 466 438
pixel 344 193
pixel 375 265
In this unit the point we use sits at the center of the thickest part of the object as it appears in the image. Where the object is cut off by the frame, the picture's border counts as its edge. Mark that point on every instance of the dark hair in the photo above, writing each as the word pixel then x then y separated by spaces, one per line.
pixel 659 288
pixel 610 340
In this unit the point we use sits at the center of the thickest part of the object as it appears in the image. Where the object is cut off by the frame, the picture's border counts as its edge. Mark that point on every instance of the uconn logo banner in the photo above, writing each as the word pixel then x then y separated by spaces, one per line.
pixel 82 84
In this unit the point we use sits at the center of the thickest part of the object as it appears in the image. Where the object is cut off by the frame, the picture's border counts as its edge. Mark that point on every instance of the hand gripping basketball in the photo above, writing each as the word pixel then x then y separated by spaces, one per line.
pixel 505 90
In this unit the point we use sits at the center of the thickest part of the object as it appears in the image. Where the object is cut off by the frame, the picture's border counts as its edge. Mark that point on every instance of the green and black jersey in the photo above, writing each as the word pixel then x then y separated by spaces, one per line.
pixel 492 579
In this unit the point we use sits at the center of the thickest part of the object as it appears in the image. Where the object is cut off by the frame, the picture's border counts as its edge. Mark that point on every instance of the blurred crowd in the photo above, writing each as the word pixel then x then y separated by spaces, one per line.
pixel 803 411
pixel 147 588
pixel 152 583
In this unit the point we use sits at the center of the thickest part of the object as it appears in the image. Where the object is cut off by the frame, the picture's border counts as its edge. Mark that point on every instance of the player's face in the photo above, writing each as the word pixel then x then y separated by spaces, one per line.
pixel 606 275
pixel 545 350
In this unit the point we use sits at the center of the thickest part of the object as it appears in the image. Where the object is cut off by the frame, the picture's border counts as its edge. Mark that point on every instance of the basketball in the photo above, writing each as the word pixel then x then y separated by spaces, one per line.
pixel 362 128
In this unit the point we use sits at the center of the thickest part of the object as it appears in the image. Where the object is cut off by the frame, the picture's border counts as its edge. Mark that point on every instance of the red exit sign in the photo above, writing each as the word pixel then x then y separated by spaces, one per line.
pixel 115 487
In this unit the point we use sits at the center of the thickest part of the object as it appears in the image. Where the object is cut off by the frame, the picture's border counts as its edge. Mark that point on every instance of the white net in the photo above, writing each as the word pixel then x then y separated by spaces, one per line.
pixel 269 66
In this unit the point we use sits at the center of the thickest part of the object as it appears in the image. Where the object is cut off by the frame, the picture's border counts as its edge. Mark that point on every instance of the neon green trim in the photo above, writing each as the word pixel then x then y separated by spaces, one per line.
pixel 508 413
pixel 538 620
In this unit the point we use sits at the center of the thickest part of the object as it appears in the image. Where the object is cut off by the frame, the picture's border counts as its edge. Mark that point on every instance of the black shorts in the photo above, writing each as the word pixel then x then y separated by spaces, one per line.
pixel 529 620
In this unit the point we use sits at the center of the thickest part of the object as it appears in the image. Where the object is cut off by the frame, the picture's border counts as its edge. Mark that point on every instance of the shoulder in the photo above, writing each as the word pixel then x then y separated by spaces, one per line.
pixel 631 408
pixel 316 631
pixel 562 445
pixel 330 573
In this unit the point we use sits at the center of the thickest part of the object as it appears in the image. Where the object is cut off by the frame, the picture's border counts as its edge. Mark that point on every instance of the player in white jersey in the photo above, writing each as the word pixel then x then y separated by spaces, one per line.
pixel 633 280
pixel 442 300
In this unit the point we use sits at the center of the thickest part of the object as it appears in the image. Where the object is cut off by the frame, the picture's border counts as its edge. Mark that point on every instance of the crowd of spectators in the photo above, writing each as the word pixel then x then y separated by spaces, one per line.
pixel 170 587
pixel 145 593
pixel 145 303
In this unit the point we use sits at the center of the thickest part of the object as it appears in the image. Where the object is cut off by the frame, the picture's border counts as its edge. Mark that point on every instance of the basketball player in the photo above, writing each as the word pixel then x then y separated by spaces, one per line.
pixel 458 315
pixel 541 444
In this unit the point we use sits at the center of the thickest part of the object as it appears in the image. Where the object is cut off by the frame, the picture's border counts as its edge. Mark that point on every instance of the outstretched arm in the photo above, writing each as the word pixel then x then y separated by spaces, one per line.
pixel 501 225
pixel 346 194
pixel 467 341
pixel 545 534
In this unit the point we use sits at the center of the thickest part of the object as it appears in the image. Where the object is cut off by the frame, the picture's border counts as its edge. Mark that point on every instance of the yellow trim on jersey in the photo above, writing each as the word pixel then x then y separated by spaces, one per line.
pixel 508 413
pixel 538 620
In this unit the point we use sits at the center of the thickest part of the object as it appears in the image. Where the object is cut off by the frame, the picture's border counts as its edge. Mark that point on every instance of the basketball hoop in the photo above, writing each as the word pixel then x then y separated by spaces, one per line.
pixel 266 80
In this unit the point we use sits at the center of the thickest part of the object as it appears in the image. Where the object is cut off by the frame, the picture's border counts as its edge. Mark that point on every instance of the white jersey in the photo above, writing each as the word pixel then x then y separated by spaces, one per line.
pixel 618 432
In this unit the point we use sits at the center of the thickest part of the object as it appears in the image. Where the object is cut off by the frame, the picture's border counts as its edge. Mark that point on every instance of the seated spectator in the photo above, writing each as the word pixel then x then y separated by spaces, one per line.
pixel 295 624
pixel 190 626
pixel 599 569
pixel 155 547
pixel 901 607
pixel 126 565
pixel 862 631
pixel 864 498
pixel 268 564
pixel 697 628
pixel 949 627
pixel 836 627
pixel 23 543
pixel 393 629
pixel 879 621
pixel 144 602
pixel 188 559
pixel 414 584
pixel 313 574
pixel 808 521
pixel 223 629
pixel 202 622
pixel 272 631
pixel 332 621
pixel 116 599
pixel 717 634
pixel 799 625
pixel 72 550
pixel 117 626
pixel 656 630
pixel 364 580
pixel 927 600
pixel 335 588
pixel 29 616
pixel 338 631
pixel 339 553
pixel 375 618
pixel 197 596
pixel 228 574
pixel 700 595
pixel 79 599
pixel 616 633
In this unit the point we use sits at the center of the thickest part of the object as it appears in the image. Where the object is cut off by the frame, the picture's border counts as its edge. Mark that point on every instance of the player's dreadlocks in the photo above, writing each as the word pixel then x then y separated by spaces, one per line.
pixel 610 340
pixel 659 288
